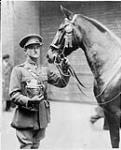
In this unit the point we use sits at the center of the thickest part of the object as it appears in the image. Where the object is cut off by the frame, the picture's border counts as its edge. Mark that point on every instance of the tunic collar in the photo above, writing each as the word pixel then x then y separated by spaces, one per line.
pixel 29 61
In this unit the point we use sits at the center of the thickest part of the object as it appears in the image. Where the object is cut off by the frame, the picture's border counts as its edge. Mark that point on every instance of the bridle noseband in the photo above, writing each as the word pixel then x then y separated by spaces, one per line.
pixel 59 57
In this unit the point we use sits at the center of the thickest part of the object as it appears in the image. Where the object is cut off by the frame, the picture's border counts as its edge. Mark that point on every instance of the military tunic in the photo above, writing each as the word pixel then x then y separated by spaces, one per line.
pixel 6 72
pixel 23 75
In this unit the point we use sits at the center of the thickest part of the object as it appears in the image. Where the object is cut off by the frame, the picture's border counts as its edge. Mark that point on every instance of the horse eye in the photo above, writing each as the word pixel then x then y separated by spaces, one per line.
pixel 60 29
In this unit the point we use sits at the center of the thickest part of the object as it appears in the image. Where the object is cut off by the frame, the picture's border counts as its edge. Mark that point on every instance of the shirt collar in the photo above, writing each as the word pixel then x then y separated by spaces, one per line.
pixel 29 61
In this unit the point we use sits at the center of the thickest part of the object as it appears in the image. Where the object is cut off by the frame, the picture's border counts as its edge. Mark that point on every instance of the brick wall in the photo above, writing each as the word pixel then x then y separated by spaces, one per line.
pixel 7 29
pixel 108 13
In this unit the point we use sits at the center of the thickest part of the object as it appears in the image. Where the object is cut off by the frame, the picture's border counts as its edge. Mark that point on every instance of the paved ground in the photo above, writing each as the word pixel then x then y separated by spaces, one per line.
pixel 69 129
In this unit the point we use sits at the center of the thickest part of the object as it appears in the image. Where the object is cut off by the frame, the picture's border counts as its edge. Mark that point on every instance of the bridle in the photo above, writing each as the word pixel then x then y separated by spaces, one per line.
pixel 60 57
pixel 65 40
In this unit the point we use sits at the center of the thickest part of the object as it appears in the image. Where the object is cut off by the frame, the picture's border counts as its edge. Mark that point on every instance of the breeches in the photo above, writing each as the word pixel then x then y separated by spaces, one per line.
pixel 29 138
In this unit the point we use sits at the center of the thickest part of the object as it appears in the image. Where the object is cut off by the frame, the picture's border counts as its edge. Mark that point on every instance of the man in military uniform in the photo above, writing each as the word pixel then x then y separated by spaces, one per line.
pixel 6 72
pixel 28 87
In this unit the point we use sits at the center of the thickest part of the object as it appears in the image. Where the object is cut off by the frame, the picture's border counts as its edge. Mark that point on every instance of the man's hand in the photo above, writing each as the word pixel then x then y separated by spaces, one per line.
pixel 65 65
pixel 35 100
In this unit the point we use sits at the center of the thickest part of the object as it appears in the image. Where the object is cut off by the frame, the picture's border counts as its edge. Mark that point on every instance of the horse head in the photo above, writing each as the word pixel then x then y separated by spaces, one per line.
pixel 67 38
pixel 78 31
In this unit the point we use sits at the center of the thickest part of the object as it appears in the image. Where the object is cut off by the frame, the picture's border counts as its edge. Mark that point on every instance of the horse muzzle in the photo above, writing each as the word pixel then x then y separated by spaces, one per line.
pixel 51 56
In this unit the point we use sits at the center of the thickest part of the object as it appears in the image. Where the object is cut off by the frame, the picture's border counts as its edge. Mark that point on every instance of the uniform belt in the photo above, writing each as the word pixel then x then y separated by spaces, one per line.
pixel 36 106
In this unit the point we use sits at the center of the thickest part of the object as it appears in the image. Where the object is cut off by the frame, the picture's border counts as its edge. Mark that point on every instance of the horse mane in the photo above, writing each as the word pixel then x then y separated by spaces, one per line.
pixel 101 27
pixel 97 24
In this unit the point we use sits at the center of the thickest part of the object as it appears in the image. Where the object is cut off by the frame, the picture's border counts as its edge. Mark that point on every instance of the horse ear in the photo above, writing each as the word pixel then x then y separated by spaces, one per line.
pixel 68 14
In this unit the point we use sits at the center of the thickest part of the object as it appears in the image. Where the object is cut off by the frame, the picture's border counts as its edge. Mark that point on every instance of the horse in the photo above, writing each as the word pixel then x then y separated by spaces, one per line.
pixel 102 49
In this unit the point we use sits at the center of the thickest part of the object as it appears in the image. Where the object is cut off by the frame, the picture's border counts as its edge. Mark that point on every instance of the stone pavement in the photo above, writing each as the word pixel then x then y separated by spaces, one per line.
pixel 69 129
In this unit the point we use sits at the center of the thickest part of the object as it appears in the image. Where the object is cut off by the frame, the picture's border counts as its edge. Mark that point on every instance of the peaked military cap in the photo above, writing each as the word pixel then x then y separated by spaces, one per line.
pixel 30 39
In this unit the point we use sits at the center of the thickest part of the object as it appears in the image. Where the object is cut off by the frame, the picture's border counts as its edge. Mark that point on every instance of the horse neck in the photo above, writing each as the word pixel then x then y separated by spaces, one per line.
pixel 102 49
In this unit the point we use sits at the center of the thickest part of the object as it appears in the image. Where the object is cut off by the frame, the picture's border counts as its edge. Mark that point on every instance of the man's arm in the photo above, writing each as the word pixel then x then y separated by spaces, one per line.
pixel 15 88
pixel 62 80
